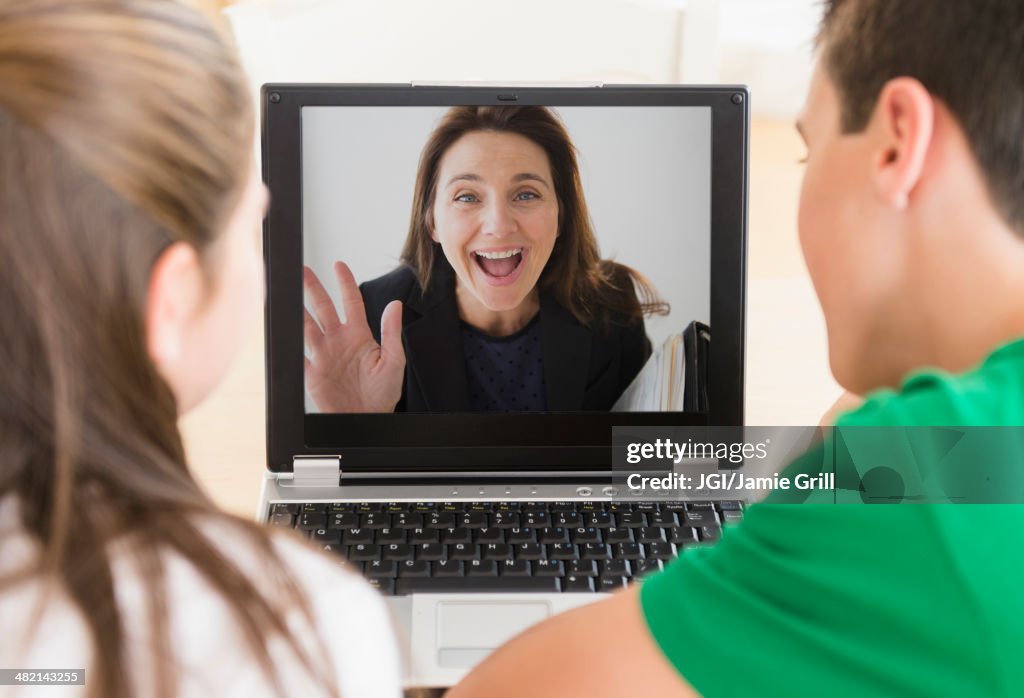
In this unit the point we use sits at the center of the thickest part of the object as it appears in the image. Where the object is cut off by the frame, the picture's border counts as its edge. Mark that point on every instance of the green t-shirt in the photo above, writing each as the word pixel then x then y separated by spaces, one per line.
pixel 856 600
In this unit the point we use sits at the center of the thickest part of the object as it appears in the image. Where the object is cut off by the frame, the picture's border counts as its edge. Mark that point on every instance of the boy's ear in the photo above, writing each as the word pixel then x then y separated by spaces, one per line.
pixel 902 122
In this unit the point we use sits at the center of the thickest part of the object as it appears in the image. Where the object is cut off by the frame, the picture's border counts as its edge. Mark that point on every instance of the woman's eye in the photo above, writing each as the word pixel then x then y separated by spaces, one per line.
pixel 526 196
pixel 466 198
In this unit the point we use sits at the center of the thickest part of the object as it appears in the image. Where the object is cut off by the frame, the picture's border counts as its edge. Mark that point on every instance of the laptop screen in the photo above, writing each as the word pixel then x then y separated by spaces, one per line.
pixel 548 259
pixel 476 278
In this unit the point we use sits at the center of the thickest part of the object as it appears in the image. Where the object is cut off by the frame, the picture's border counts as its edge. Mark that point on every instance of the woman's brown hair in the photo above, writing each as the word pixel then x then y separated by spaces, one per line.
pixel 125 126
pixel 598 292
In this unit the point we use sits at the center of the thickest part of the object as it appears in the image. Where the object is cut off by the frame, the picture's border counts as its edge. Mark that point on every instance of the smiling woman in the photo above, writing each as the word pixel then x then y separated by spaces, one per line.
pixel 500 260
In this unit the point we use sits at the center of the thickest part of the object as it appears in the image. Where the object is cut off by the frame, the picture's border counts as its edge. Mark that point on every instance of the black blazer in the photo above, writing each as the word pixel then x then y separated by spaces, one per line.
pixel 583 370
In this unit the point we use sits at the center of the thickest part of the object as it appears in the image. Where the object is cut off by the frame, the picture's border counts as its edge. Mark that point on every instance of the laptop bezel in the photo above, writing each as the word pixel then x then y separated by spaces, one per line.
pixel 482 443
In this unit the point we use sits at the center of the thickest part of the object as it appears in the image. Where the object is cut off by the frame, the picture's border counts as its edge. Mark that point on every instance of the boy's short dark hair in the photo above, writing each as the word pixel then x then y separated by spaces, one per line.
pixel 967 53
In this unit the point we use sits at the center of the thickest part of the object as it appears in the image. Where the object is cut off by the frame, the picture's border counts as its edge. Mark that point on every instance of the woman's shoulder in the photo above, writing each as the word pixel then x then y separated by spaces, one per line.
pixel 397 284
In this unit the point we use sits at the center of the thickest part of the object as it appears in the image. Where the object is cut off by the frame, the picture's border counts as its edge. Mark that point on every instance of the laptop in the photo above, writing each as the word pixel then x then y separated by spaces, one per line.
pixel 477 519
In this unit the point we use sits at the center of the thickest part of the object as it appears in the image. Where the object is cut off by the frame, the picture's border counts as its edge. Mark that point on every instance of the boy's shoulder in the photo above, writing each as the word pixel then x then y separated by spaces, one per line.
pixel 991 394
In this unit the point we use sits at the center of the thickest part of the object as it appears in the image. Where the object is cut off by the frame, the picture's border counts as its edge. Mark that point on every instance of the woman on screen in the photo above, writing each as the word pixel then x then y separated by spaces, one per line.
pixel 502 301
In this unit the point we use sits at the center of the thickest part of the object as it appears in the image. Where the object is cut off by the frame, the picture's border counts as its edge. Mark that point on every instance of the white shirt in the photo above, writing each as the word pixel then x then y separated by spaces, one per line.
pixel 352 624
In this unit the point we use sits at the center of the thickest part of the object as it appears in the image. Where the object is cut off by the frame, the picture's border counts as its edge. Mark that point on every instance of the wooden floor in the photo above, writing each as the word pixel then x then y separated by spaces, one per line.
pixel 788 381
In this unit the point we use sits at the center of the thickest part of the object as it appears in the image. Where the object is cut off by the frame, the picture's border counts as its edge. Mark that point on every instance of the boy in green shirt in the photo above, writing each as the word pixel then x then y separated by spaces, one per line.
pixel 912 226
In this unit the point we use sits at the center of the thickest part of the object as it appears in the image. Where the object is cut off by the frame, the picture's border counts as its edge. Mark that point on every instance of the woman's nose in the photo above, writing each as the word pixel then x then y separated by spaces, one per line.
pixel 498 219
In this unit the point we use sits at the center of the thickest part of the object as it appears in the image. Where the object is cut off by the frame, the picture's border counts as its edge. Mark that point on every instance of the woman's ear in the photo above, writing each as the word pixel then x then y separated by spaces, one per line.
pixel 902 125
pixel 175 293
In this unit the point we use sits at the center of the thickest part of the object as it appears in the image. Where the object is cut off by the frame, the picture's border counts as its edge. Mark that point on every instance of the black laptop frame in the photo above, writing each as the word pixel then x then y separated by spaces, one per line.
pixel 501 444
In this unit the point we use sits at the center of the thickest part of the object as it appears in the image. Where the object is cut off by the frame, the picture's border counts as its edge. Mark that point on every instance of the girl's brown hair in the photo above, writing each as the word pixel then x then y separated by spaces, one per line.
pixel 598 292
pixel 125 126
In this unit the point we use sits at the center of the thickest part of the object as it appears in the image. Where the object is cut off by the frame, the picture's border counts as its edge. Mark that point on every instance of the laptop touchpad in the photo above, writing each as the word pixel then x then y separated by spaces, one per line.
pixel 468 631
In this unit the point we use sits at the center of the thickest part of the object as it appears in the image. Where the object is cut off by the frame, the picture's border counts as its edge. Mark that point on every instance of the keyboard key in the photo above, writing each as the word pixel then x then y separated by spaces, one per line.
pixel 562 551
pixel 489 535
pixel 364 553
pixel 375 520
pixel 482 568
pixel 684 536
pixel 673 506
pixel 515 568
pixel 586 535
pixel 505 520
pixel 642 567
pixel 397 551
pixel 430 551
pixel 731 517
pixel 456 535
pixel 646 506
pixel 630 519
pixel 496 551
pixel 285 508
pixel 425 535
pixel 368 507
pixel 594 551
pixel 473 519
pixel 448 568
pixel 664 519
pixel 529 551
pixel 650 535
pixel 618 535
pixel 535 519
pixel 628 551
pixel 463 551
pixel 310 521
pixel 326 536
pixel 384 586
pixel 598 519
pixel 554 535
pixel 575 583
pixel 700 518
pixel 441 520
pixel 390 535
pixel 582 568
pixel 543 568
pixel 610 584
pixel 313 509
pixel 567 519
pixel 615 568
pixel 282 519
pixel 429 585
pixel 559 507
pixel 395 508
pixel 730 505
pixel 710 534
pixel 354 536
pixel 414 568
pixel 522 535
pixel 408 520
pixel 661 551
pixel 381 568
pixel 343 520
pixel 700 506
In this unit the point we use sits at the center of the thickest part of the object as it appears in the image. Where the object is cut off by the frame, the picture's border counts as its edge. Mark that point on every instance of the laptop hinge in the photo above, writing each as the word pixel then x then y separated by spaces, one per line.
pixel 316 471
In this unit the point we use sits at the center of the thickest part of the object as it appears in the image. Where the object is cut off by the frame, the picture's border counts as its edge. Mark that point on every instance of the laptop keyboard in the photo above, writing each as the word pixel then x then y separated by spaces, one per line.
pixel 574 546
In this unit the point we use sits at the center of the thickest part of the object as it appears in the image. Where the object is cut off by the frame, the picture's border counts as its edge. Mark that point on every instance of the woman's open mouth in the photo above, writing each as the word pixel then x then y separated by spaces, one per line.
pixel 500 267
